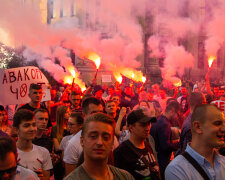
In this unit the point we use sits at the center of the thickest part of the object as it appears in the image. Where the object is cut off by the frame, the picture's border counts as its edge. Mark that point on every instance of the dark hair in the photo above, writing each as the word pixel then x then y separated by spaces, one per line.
pixel 73 93
pixel 87 101
pixel 98 117
pixel 79 117
pixel 173 105
pixel 200 112
pixel 22 115
pixel 196 99
pixel 40 110
pixel 109 101
pixel 35 86
pixel 7 145
pixel 1 108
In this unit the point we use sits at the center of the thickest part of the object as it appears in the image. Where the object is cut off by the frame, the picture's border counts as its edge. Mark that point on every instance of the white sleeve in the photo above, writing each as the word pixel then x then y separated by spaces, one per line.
pixel 72 153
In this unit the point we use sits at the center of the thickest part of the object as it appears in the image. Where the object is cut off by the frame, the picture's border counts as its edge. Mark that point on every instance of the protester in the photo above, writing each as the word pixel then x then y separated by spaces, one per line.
pixel 74 125
pixel 33 157
pixel 57 133
pixel 2 133
pixel 111 110
pixel 98 92
pixel 162 134
pixel 196 99
pixel 35 95
pixel 9 170
pixel 183 100
pixel 41 138
pixel 74 149
pixel 97 141
pixel 208 129
pixel 135 154
pixel 75 99
pixel 59 130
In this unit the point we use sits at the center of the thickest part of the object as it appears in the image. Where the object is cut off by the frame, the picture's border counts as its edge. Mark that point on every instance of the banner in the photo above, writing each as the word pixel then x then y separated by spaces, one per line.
pixel 15 83
pixel 220 104
pixel 106 78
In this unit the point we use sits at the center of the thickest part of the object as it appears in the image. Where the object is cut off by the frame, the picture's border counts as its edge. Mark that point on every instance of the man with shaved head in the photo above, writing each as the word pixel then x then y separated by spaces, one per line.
pixel 201 159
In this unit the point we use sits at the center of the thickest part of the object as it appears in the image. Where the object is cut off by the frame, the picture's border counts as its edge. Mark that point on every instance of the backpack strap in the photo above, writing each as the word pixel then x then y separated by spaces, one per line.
pixel 194 163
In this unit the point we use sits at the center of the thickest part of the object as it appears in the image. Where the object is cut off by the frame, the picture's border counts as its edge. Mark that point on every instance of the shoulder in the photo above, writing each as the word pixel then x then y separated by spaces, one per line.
pixel 120 173
pixel 78 173
pixel 178 168
pixel 26 174
pixel 121 147
pixel 40 149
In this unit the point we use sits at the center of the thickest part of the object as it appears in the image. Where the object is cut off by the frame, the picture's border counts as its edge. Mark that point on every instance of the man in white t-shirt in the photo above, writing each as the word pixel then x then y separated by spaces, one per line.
pixel 74 149
pixel 33 157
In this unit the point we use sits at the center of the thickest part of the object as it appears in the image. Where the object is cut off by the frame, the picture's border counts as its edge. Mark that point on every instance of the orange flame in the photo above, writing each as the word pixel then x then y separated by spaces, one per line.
pixel 178 83
pixel 143 79
pixel 95 58
pixel 211 60
pixel 73 73
pixel 68 80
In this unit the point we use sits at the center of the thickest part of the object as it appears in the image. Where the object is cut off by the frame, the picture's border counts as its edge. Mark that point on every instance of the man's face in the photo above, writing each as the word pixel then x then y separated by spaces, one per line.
pixel 127 90
pixel 162 94
pixel 221 92
pixel 140 130
pixel 97 142
pixel 116 99
pixel 111 91
pixel 8 167
pixel 75 100
pixel 213 129
pixel 41 120
pixel 183 91
pixel 1 116
pixel 92 108
pixel 99 94
pixel 216 91
pixel 110 108
pixel 36 95
pixel 73 127
pixel 27 130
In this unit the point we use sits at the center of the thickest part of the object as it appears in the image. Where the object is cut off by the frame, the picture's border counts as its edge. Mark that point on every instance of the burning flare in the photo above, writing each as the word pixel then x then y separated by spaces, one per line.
pixel 177 83
pixel 95 58
pixel 143 79
pixel 211 60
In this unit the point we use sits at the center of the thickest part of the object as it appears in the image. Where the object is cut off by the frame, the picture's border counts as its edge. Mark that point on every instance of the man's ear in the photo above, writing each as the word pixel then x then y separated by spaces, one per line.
pixel 197 127
pixel 15 130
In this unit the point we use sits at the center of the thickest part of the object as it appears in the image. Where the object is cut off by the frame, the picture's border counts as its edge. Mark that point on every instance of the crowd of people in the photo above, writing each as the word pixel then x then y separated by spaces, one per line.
pixel 127 131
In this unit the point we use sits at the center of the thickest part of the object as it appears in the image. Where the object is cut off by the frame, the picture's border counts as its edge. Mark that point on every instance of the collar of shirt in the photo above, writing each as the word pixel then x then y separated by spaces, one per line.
pixel 200 159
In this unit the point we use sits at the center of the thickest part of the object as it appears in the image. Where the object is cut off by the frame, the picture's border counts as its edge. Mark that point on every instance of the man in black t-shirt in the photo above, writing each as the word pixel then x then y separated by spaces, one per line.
pixel 135 155
pixel 35 94
pixel 42 139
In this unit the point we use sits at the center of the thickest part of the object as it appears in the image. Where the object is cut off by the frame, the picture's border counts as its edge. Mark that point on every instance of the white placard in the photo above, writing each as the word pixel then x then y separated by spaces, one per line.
pixel 106 78
pixel 15 83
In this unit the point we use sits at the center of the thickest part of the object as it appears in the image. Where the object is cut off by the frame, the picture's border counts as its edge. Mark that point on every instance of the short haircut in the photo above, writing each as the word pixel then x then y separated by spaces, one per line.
pixel 98 117
pixel 200 113
pixel 34 86
pixel 40 110
pixel 87 101
pixel 79 117
pixel 7 145
pixel 2 108
pixel 173 105
pixel 74 93
pixel 196 99
pixel 109 101
pixel 22 115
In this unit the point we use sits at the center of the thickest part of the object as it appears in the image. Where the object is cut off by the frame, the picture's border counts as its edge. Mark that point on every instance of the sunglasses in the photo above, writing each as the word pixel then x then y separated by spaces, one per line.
pixel 8 171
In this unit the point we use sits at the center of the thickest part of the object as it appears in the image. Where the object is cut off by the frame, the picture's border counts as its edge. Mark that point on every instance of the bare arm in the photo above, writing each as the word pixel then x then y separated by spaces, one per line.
pixel 56 144
pixel 118 123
